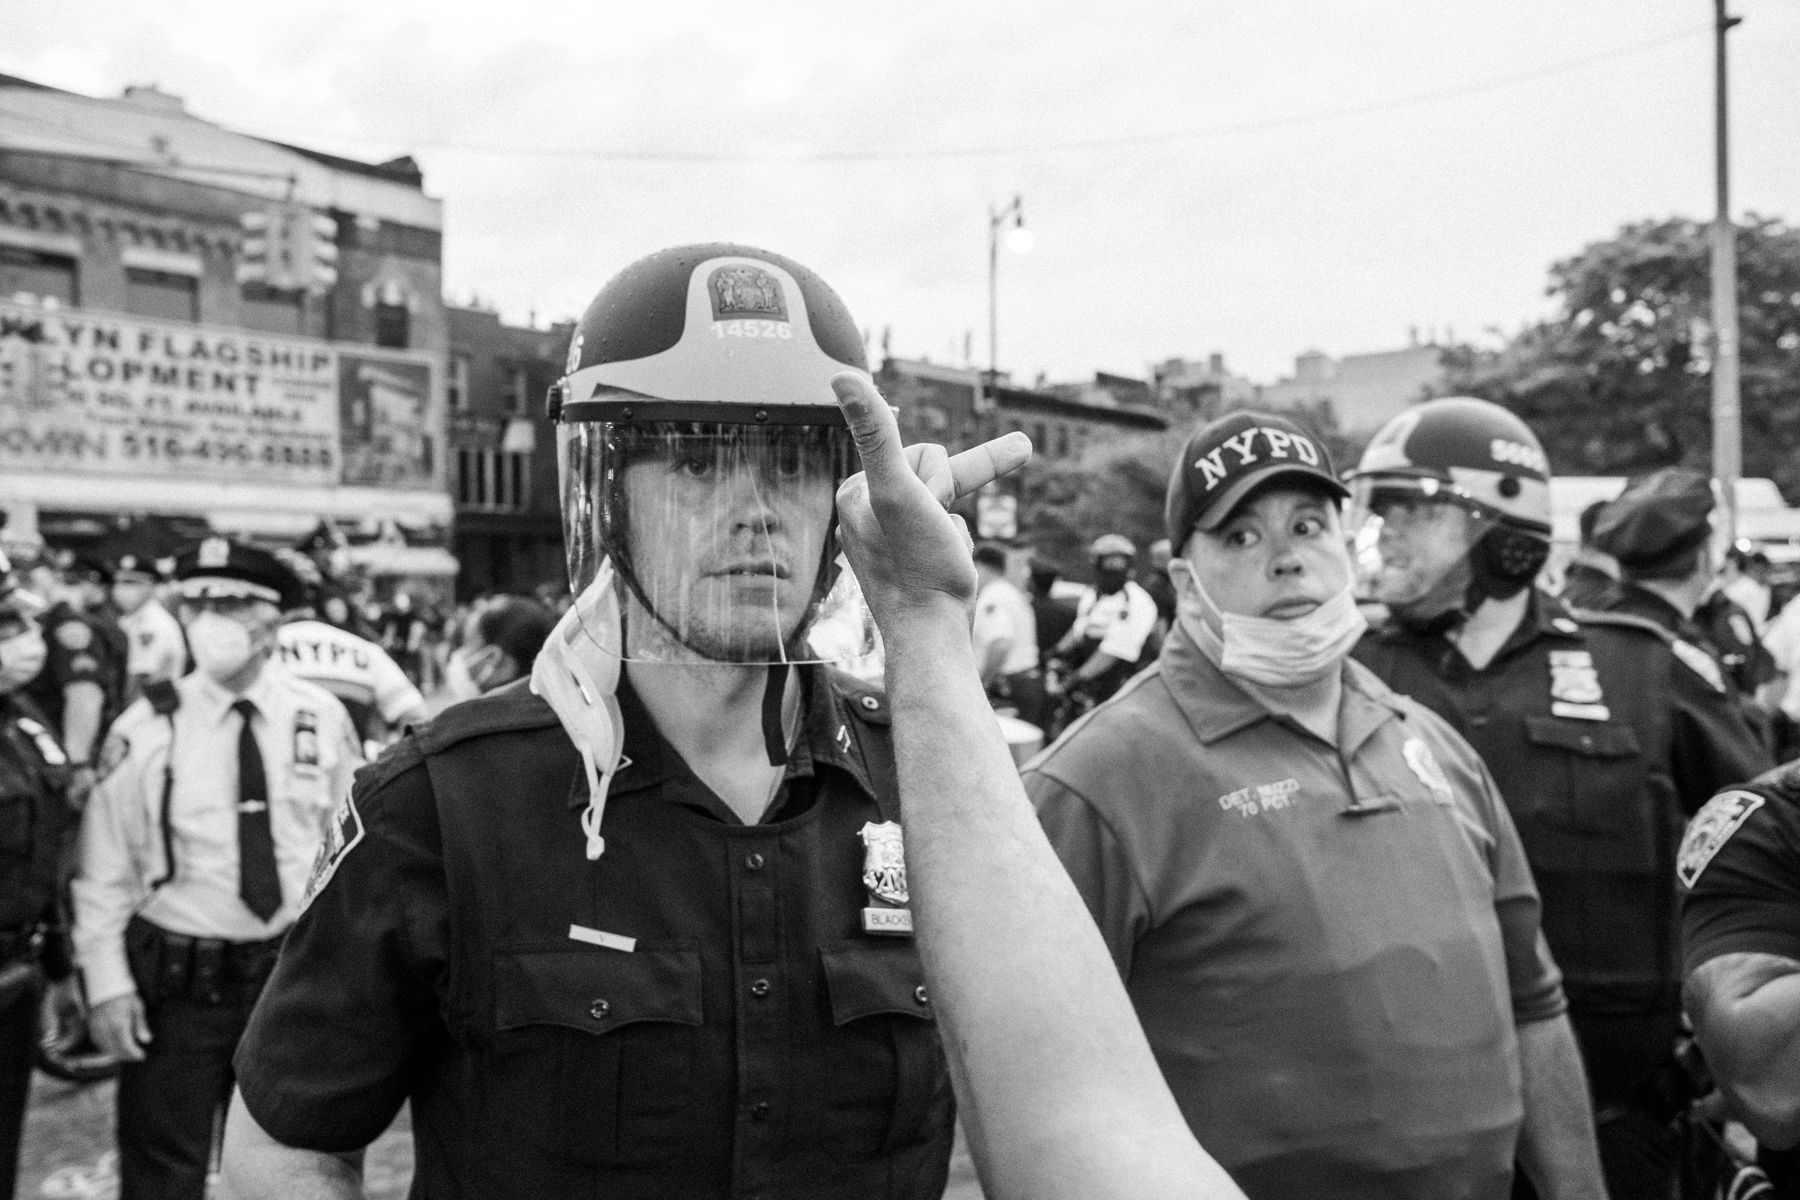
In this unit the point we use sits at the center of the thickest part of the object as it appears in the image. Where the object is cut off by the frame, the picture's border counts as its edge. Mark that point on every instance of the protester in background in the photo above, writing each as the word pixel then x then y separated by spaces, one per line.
pixel 1591 574
pixel 1310 883
pixel 1601 740
pixel 215 795
pixel 82 686
pixel 1005 639
pixel 1114 619
pixel 1053 616
pixel 34 776
pixel 501 640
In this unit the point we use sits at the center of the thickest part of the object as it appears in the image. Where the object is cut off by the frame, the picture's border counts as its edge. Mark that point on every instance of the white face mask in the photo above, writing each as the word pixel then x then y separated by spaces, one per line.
pixel 457 680
pixel 1278 653
pixel 21 659
pixel 222 647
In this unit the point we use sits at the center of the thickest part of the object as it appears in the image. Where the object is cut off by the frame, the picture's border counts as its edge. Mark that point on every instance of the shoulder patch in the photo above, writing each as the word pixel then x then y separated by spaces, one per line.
pixel 345 833
pixel 1700 663
pixel 74 635
pixel 1710 829
pixel 113 751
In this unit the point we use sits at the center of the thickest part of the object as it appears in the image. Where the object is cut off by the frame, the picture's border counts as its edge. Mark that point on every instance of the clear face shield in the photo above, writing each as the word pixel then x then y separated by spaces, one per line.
pixel 1406 534
pixel 721 537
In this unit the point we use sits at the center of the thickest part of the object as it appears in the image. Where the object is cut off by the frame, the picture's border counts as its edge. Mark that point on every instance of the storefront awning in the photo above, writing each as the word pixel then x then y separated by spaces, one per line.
pixel 381 558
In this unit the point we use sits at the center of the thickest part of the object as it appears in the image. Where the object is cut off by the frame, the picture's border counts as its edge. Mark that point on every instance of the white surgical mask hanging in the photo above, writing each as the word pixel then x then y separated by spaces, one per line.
pixel 1278 653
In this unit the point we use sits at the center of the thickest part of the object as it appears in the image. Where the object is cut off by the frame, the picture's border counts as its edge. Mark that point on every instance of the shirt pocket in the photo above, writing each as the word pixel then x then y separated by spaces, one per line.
pixel 887 1085
pixel 593 1050
pixel 1592 791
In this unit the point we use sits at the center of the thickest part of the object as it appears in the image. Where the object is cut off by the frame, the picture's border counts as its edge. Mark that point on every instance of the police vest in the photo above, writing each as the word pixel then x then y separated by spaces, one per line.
pixel 737 1035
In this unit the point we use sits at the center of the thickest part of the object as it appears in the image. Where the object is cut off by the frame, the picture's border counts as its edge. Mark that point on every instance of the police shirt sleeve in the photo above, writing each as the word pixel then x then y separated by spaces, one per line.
pixel 1532 974
pixel 110 876
pixel 1125 640
pixel 1097 863
pixel 1739 875
pixel 394 692
pixel 350 1013
pixel 75 653
pixel 1714 746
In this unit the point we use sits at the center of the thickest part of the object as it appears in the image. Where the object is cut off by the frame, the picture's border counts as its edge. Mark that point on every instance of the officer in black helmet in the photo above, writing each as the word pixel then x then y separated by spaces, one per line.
pixel 34 775
pixel 641 927
pixel 1599 728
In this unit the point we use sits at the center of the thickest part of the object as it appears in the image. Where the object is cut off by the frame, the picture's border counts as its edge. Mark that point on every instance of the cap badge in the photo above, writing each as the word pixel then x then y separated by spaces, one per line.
pixel 884 875
pixel 215 552
pixel 746 291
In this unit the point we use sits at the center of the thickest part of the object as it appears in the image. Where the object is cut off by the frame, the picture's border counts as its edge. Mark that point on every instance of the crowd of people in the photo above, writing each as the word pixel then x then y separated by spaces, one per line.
pixel 1361 863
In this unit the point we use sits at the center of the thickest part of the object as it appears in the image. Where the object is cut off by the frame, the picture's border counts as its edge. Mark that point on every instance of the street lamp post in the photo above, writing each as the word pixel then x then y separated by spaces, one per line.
pixel 1018 240
pixel 1727 424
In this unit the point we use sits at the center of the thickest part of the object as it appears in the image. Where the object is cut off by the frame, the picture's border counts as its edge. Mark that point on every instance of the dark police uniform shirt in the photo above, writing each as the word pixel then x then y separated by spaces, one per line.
pixel 1602 742
pixel 34 772
pixel 83 648
pixel 1740 882
pixel 1330 947
pixel 739 1035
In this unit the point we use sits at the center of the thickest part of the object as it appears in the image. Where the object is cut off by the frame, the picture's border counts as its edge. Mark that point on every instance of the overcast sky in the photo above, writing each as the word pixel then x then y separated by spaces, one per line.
pixel 1362 166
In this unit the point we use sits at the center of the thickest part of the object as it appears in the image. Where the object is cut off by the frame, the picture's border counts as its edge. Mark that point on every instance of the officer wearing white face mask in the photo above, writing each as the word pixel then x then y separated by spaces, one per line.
pixel 216 792
pixel 1314 894
pixel 501 640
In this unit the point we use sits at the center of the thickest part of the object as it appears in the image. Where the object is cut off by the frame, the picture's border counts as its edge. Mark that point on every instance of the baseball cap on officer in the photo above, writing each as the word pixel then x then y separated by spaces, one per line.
pixel 701 446
pixel 1658 523
pixel 222 568
pixel 1228 459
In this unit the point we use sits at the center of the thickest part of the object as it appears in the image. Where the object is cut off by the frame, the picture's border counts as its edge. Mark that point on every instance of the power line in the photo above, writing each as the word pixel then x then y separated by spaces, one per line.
pixel 1062 146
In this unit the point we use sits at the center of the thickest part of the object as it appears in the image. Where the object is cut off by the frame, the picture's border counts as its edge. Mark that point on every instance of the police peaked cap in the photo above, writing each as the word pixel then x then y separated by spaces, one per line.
pixel 220 566
pixel 1657 522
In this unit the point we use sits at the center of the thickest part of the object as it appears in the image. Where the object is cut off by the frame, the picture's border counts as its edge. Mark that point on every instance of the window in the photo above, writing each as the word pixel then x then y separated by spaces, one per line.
pixel 457 389
pixel 1040 442
pixel 272 310
pixel 517 389
pixel 493 479
pixel 161 294
pixel 1062 441
pixel 393 324
pixel 36 274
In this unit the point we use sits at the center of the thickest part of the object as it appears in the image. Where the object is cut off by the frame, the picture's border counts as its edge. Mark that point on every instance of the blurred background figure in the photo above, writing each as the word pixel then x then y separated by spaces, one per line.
pixel 1114 620
pixel 1591 574
pixel 1162 590
pixel 82 686
pixel 500 641
pixel 1054 616
pixel 402 633
pixel 1005 639
pixel 154 646
pixel 1744 579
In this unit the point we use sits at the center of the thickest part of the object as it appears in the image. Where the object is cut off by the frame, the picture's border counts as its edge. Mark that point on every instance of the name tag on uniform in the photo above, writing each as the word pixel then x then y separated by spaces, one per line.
pixel 896 921
pixel 601 938
pixel 1580 712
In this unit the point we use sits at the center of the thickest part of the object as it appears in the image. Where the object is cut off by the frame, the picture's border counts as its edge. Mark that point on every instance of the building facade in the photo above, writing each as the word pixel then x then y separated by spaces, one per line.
pixel 213 327
pixel 1364 390
pixel 502 465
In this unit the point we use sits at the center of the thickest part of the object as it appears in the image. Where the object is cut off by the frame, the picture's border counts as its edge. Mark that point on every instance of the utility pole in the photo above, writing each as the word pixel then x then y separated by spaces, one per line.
pixel 1727 423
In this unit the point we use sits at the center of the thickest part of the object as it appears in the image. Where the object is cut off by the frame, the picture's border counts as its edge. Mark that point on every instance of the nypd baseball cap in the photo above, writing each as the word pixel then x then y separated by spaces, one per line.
pixel 1231 457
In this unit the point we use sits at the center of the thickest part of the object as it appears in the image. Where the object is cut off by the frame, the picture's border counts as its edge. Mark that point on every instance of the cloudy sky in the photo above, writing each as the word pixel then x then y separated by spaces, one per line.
pixel 1252 178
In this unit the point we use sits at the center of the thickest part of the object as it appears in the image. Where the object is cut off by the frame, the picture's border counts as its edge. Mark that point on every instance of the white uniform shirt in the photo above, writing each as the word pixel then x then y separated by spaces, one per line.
pixel 157 649
pixel 353 669
pixel 1782 639
pixel 1122 622
pixel 1003 612
pixel 122 851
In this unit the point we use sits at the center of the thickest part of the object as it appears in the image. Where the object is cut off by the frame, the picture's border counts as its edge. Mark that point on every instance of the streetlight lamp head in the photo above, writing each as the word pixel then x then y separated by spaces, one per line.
pixel 1018 239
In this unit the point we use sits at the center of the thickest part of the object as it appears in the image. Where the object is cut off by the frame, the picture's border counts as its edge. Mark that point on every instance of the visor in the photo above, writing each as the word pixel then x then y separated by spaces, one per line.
pixel 725 534
pixel 219 587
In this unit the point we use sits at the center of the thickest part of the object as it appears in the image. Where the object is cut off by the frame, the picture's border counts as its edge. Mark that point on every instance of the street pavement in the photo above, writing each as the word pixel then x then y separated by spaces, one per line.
pixel 67 1153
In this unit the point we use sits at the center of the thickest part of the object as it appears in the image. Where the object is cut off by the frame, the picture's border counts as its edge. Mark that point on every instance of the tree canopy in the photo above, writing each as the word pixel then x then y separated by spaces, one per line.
pixel 1619 381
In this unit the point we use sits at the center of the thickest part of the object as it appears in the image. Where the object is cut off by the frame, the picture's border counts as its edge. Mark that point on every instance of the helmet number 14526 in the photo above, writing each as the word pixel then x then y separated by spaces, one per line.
pixel 767 329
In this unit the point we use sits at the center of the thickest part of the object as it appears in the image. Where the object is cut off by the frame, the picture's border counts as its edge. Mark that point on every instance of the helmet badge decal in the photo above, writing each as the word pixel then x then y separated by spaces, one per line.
pixel 574 362
pixel 741 290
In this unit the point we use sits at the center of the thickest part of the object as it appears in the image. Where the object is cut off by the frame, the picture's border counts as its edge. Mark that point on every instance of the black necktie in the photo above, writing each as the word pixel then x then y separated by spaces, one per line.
pixel 259 884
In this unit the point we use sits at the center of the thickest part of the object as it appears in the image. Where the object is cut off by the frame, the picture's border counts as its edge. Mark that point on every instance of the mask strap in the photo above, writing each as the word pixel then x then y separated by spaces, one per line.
pixel 774 691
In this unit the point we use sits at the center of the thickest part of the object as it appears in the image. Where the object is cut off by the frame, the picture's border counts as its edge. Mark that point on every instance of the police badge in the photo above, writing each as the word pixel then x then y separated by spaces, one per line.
pixel 306 742
pixel 884 875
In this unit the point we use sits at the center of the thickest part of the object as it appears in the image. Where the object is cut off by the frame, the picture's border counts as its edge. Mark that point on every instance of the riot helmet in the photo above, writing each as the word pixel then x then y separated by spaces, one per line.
pixel 1457 453
pixel 700 447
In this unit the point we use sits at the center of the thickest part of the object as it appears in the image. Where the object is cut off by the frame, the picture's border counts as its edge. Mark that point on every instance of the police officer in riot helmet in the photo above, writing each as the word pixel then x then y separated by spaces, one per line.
pixel 638 926
pixel 1599 729
pixel 1114 622
pixel 34 776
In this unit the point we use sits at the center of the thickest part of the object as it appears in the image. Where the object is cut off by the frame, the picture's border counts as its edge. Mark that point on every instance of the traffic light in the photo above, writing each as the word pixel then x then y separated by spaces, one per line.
pixel 289 247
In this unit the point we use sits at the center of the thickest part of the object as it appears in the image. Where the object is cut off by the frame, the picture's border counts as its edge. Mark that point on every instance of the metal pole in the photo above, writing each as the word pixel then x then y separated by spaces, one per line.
pixel 993 290
pixel 1728 449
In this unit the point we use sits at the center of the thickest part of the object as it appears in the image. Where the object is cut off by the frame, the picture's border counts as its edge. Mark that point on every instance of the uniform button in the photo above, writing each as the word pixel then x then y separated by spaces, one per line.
pixel 1478 721
pixel 921 995
pixel 599 1010
pixel 754 861
pixel 871 703
pixel 759 1111
pixel 759 988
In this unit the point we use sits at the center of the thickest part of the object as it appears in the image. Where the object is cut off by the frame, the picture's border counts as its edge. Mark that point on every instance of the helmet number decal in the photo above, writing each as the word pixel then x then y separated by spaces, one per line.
pixel 751 329
pixel 1519 455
